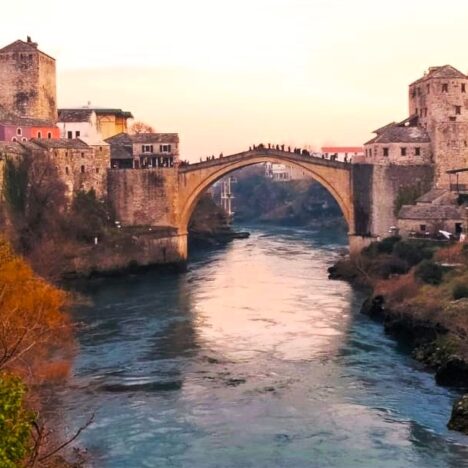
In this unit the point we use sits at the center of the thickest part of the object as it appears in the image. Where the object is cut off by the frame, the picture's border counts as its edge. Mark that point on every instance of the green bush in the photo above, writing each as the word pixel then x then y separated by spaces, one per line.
pixel 412 252
pixel 385 246
pixel 429 272
pixel 460 290
pixel 15 422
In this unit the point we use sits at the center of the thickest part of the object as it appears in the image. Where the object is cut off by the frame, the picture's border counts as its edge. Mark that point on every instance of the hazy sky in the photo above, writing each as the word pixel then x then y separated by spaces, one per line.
pixel 228 74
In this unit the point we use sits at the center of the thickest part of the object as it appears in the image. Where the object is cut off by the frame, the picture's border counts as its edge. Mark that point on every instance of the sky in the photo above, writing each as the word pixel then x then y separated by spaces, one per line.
pixel 228 74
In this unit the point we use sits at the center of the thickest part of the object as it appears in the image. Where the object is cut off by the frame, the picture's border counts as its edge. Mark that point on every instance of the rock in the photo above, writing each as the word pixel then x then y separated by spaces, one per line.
pixel 373 306
pixel 453 373
pixel 459 418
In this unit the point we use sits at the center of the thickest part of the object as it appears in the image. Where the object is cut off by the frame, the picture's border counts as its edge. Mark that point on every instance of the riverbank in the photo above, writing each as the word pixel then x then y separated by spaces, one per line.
pixel 419 291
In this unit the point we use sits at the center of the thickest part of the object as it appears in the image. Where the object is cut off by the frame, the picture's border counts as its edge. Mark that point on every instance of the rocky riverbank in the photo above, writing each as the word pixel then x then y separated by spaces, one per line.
pixel 418 290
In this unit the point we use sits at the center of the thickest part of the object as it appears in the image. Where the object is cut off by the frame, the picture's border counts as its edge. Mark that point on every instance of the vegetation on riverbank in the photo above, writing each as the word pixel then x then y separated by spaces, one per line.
pixel 36 348
pixel 419 289
pixel 295 202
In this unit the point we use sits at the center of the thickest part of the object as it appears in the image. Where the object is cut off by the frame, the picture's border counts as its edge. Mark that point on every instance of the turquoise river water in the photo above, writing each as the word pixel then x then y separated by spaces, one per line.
pixel 251 358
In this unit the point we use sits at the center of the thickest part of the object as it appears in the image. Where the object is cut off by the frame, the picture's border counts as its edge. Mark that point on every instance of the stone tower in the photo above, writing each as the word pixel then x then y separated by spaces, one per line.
pixel 440 100
pixel 27 81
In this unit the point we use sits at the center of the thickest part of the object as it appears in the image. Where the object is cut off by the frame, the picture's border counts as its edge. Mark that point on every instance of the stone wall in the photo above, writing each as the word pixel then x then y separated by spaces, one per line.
pixel 387 182
pixel 144 196
pixel 83 168
pixel 138 251
pixel 376 188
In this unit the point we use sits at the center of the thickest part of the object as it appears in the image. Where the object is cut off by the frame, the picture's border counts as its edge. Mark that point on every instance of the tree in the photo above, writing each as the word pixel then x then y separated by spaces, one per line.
pixel 141 127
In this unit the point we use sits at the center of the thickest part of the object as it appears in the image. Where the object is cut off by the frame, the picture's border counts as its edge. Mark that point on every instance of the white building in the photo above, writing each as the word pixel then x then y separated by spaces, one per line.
pixel 80 123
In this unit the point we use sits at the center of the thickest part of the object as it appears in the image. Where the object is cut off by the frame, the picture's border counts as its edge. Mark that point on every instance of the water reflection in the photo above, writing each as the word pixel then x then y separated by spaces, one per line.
pixel 252 358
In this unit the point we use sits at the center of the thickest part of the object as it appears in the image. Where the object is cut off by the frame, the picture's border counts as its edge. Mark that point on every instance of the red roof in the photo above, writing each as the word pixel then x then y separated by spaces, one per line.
pixel 342 149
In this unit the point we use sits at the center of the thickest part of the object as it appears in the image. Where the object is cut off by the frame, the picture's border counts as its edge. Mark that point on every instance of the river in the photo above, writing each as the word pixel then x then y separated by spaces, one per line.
pixel 252 358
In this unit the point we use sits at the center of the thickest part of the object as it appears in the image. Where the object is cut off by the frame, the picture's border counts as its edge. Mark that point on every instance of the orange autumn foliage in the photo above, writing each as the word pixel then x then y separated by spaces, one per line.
pixel 35 333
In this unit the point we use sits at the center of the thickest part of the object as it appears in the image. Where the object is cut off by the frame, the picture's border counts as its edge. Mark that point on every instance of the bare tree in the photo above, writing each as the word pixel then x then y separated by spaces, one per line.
pixel 141 127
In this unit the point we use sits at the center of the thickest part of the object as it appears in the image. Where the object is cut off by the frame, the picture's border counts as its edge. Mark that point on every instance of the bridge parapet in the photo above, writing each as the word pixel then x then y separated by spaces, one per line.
pixel 285 156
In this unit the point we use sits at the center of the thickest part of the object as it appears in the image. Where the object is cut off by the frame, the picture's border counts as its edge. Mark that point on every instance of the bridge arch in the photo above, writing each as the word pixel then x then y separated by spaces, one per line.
pixel 194 179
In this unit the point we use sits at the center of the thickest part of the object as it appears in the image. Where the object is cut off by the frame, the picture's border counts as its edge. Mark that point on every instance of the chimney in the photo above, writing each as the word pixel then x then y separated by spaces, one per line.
pixel 30 42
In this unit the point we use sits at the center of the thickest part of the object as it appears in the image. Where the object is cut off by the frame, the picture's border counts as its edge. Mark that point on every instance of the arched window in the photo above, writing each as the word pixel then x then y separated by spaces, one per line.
pixel 14 139
pixel 66 170
pixel 19 131
pixel 49 135
pixel 82 169
pixel 39 134
pixel 24 139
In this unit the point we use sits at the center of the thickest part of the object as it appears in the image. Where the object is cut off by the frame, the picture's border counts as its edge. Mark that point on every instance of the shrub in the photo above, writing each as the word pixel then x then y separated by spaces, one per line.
pixel 385 246
pixel 429 272
pixel 460 290
pixel 15 422
pixel 412 252
pixel 398 289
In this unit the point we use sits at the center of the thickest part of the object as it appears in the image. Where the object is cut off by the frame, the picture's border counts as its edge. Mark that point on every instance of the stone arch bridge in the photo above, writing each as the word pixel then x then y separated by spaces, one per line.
pixel 162 197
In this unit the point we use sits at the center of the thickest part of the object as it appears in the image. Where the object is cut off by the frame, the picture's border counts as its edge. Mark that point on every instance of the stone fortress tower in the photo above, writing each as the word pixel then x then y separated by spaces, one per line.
pixel 27 81
pixel 418 167
pixel 440 101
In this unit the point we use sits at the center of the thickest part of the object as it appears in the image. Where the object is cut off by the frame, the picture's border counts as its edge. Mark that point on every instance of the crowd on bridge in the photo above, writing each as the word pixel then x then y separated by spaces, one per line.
pixel 283 148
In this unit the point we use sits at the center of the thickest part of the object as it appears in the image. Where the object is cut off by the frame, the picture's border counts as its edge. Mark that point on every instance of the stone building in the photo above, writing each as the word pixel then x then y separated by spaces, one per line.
pixel 404 143
pixel 144 150
pixel 92 125
pixel 434 211
pixel 440 101
pixel 27 81
pixel 79 166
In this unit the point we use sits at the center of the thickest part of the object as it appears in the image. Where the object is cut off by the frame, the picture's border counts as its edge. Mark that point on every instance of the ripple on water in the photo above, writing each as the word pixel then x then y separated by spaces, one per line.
pixel 252 358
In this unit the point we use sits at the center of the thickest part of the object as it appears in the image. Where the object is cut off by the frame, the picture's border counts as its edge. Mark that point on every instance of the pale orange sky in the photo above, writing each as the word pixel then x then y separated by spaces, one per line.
pixel 228 74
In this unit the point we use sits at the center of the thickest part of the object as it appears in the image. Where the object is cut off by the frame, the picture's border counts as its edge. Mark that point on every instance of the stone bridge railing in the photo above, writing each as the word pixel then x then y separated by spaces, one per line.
pixel 286 155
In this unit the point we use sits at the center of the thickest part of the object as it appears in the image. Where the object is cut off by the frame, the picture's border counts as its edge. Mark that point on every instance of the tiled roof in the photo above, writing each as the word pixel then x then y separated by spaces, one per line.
pixel 117 112
pixel 442 72
pixel 401 133
pixel 22 46
pixel 430 212
pixel 59 143
pixel 148 138
pixel 74 115
pixel 10 148
pixel 121 152
pixel 431 196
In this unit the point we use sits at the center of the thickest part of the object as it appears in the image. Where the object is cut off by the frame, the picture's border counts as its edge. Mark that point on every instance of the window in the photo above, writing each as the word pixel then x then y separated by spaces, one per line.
pixel 66 170
pixel 147 148
pixel 82 169
pixel 100 148
pixel 403 151
pixel 417 151
pixel 458 228
pixel 77 134
pixel 69 135
pixel 422 227
pixel 97 170
pixel 24 139
pixel 445 87
pixel 82 155
pixel 39 134
pixel 463 88
pixel 19 131
pixel 14 139
pixel 458 110
pixel 428 88
pixel 165 148
pixel 49 135
pixel 385 151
